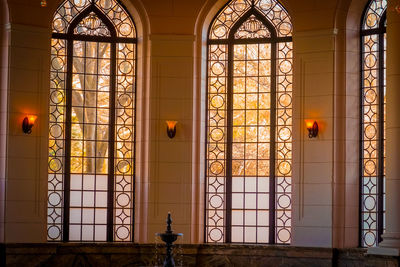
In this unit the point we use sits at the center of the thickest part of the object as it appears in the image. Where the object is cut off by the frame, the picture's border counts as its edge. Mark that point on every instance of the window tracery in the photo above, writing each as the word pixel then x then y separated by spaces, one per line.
pixel 91 122
pixel 249 124
pixel 373 118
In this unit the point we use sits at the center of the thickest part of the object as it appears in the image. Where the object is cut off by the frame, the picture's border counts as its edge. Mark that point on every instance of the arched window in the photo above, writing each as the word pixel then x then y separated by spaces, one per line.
pixel 373 114
pixel 249 124
pixel 91 122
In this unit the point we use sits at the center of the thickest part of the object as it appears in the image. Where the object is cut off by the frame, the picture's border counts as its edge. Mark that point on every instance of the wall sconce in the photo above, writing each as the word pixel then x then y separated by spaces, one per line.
pixel 312 127
pixel 171 128
pixel 28 123
pixel 43 3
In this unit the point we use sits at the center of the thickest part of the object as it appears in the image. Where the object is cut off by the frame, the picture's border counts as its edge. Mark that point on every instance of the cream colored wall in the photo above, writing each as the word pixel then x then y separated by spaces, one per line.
pixel 170 173
pixel 26 163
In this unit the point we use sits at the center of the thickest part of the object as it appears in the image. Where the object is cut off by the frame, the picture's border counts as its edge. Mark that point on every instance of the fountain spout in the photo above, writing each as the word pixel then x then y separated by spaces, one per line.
pixel 169 238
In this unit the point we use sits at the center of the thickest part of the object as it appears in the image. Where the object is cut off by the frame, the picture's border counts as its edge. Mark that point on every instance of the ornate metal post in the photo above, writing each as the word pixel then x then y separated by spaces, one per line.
pixel 169 238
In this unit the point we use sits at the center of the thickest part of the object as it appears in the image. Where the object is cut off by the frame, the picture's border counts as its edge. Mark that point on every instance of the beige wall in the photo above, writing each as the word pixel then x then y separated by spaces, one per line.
pixel 171 85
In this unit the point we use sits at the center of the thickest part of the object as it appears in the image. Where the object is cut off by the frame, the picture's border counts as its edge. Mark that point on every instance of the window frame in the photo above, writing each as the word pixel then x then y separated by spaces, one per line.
pixel 380 31
pixel 113 40
pixel 230 42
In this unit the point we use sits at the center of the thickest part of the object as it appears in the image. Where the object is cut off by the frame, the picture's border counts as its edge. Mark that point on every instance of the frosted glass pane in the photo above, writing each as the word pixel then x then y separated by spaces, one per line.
pixel 75 198
pixel 100 233
pixel 250 217
pixel 237 201
pixel 101 216
pixel 237 217
pixel 88 216
pixel 251 201
pixel 88 182
pixel 87 232
pixel 76 181
pixel 263 218
pixel 237 184
pixel 263 201
pixel 88 199
pixel 101 182
pixel 251 184
pixel 250 234
pixel 101 199
pixel 74 232
pixel 237 234
pixel 262 235
pixel 263 184
pixel 75 215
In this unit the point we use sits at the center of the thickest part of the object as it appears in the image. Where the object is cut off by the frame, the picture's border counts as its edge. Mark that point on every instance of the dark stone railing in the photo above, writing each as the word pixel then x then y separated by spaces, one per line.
pixel 117 254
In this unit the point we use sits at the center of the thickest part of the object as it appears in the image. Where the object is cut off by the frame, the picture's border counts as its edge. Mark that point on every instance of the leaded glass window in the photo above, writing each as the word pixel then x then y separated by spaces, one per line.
pixel 373 117
pixel 91 122
pixel 249 124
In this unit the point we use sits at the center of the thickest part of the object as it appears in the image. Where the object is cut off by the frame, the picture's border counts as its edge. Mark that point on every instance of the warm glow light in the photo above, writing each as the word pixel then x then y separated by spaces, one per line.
pixel 171 128
pixel 309 124
pixel 43 3
pixel 171 124
pixel 28 123
pixel 312 127
pixel 32 119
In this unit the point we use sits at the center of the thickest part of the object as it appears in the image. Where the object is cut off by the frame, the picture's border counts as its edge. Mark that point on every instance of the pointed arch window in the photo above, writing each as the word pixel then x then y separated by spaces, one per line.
pixel 249 124
pixel 91 122
pixel 373 118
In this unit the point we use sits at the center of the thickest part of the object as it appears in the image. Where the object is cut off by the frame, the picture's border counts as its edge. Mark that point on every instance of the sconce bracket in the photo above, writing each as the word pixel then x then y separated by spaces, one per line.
pixel 26 126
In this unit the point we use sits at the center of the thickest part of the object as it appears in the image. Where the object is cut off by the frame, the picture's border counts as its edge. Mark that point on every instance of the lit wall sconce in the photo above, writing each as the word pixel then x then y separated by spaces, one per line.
pixel 28 123
pixel 43 3
pixel 171 128
pixel 312 127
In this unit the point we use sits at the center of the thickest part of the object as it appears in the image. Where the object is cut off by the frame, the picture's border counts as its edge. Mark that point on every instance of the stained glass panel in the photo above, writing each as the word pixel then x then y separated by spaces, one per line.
pixel 235 9
pixel 92 124
pixel 252 28
pixel 92 25
pixel 250 172
pixel 373 117
pixel 249 131
pixel 216 149
pixel 56 168
pixel 114 11
pixel 373 14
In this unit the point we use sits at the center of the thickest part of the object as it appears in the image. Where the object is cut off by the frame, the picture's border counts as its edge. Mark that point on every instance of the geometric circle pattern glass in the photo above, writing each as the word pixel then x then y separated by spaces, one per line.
pixel 92 122
pixel 372 118
pixel 249 124
pixel 235 9
pixel 114 11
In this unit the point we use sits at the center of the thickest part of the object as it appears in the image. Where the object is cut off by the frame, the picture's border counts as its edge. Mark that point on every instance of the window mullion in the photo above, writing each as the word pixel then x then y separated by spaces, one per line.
pixel 228 177
pixel 272 183
pixel 381 135
pixel 111 140
pixel 67 159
